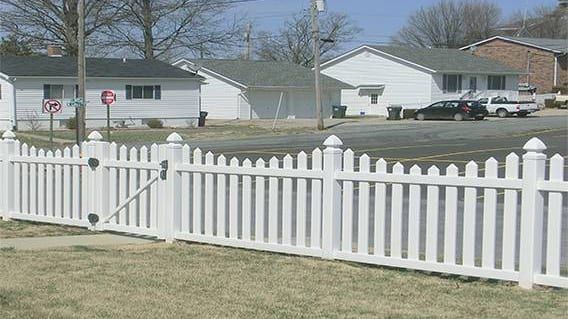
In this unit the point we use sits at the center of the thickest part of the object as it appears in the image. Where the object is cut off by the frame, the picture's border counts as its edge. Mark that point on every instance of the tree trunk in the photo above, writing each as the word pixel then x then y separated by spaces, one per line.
pixel 71 26
pixel 147 29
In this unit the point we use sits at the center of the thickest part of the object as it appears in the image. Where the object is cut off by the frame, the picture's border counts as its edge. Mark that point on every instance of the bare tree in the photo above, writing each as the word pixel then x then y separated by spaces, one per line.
pixel 293 43
pixel 13 46
pixel 449 24
pixel 542 22
pixel 43 22
pixel 164 29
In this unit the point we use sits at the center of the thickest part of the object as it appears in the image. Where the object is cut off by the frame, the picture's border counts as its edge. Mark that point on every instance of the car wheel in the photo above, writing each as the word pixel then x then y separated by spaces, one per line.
pixel 420 117
pixel 502 113
pixel 458 117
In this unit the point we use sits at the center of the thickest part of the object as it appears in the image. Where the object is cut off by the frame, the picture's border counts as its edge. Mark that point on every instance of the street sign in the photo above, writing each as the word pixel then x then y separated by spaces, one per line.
pixel 76 102
pixel 52 106
pixel 108 97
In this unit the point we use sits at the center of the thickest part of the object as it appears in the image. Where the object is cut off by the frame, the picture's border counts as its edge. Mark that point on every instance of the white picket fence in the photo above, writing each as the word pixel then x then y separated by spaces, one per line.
pixel 327 204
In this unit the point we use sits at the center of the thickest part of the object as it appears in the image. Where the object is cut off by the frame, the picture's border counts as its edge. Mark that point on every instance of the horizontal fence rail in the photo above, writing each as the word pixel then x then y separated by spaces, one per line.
pixel 505 222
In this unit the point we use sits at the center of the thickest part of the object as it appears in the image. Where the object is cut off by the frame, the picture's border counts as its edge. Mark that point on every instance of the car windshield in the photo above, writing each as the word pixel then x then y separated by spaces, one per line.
pixel 499 99
pixel 474 104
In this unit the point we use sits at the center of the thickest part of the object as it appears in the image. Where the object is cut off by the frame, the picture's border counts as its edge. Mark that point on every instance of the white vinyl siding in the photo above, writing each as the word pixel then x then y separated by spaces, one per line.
pixel 221 100
pixel 180 99
pixel 6 104
pixel 404 84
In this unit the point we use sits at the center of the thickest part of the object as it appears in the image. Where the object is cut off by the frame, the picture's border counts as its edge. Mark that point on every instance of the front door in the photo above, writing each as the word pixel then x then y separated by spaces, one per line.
pixel 473 84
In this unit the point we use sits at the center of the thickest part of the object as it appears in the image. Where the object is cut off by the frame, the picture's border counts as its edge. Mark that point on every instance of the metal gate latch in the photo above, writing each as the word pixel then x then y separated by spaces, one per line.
pixel 164 171
pixel 93 162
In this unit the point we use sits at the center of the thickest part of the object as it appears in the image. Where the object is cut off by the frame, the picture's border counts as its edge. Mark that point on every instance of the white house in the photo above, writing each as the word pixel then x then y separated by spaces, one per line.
pixel 238 89
pixel 415 77
pixel 144 90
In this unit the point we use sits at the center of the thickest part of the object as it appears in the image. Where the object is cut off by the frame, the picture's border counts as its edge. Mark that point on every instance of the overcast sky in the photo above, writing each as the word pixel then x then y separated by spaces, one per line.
pixel 379 19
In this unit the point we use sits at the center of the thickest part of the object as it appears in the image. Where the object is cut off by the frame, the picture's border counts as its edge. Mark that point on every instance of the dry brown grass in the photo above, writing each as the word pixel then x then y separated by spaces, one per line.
pixel 14 229
pixel 189 280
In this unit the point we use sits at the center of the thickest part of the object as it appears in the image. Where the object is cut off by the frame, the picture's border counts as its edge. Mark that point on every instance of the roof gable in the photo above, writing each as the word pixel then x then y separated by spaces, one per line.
pixel 552 45
pixel 263 74
pixel 42 66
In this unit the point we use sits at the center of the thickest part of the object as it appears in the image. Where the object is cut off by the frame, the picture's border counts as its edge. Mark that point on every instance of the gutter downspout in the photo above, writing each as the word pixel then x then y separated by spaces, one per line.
pixel 278 110
pixel 555 70
pixel 14 113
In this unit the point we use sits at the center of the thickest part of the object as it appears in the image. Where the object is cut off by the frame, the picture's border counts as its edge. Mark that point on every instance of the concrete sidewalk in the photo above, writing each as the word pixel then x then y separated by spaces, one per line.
pixel 33 243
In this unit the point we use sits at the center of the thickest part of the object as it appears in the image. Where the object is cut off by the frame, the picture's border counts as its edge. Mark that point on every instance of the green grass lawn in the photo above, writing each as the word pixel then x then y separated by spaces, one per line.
pixel 199 281
pixel 14 229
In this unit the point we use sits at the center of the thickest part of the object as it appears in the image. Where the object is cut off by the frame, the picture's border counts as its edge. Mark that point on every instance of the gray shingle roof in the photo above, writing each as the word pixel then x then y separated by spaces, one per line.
pixel 96 67
pixel 267 73
pixel 560 45
pixel 447 60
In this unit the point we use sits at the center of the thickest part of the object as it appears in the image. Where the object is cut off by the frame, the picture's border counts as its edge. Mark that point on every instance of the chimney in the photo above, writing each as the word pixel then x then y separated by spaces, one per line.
pixel 54 51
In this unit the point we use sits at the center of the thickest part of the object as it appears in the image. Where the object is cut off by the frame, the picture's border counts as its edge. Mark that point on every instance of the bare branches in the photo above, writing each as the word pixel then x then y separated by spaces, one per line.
pixel 450 24
pixel 543 22
pixel 164 29
pixel 293 43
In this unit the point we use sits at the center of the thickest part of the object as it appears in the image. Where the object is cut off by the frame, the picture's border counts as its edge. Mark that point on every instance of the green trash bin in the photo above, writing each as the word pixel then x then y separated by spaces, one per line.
pixel 394 112
pixel 339 111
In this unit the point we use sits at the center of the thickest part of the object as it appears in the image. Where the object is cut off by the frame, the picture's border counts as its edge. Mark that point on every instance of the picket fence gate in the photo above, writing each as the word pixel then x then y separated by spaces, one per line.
pixel 317 204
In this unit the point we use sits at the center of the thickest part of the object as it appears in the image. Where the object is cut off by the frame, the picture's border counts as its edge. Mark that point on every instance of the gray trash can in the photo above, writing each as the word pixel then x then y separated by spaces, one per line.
pixel 394 112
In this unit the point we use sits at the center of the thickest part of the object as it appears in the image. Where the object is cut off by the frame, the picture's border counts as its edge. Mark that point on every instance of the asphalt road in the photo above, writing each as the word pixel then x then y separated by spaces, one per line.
pixel 424 143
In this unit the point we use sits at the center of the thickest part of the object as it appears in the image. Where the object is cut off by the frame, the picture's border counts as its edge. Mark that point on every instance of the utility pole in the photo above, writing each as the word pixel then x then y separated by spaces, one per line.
pixel 81 73
pixel 316 7
pixel 248 42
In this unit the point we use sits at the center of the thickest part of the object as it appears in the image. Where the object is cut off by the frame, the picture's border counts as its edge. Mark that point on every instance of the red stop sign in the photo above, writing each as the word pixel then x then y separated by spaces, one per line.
pixel 108 97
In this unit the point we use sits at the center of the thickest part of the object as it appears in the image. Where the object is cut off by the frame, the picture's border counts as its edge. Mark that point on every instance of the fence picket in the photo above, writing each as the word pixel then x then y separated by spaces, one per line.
pixel 221 199
pixel 132 187
pixel 154 193
pixel 510 214
pixel 33 183
pixel 67 186
pixel 25 182
pixel 287 202
pixel 347 218
pixel 113 178
pixel 273 204
pixel 380 210
pixel 363 217
pixel 185 191
pixel 450 225
pixel 123 186
pixel 315 232
pixel 396 214
pixel 76 172
pixel 489 216
pixel 432 199
pixel 209 196
pixel 49 187
pixel 18 180
pixel 259 204
pixel 143 197
pixel 301 194
pixel 554 238
pixel 57 193
pixel 246 203
pixel 414 205
pixel 41 184
pixel 84 182
pixel 469 211
pixel 234 201
pixel 197 194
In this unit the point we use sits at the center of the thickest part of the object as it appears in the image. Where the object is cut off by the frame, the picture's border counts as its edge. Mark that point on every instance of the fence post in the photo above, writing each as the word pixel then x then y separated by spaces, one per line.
pixel 99 149
pixel 169 221
pixel 8 149
pixel 530 259
pixel 331 210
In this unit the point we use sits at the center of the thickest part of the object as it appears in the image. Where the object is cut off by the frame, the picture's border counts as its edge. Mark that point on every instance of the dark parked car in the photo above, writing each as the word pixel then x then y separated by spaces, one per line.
pixel 452 110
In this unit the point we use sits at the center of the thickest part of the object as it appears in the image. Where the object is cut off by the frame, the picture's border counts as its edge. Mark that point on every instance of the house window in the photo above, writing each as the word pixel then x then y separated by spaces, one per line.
pixel 374 99
pixel 496 82
pixel 452 83
pixel 143 92
pixel 58 91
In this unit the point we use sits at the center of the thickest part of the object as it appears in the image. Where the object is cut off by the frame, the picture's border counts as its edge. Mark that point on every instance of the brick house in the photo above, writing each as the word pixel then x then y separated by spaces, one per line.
pixel 545 60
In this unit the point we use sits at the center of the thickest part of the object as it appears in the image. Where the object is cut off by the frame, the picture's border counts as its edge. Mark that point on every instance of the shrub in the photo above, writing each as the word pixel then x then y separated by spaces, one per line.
pixel 71 123
pixel 408 113
pixel 155 123
pixel 562 89
pixel 549 103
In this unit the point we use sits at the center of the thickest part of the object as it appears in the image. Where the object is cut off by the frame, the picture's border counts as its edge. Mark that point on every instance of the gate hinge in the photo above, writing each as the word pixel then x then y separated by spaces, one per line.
pixel 93 162
pixel 164 171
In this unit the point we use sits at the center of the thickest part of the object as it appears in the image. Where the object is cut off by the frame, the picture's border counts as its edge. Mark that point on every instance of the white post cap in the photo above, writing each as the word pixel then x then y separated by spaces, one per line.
pixel 95 136
pixel 8 135
pixel 333 141
pixel 535 145
pixel 174 138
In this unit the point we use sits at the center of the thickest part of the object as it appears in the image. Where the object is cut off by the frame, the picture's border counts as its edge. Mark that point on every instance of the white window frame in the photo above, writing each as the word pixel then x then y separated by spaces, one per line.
pixel 374 98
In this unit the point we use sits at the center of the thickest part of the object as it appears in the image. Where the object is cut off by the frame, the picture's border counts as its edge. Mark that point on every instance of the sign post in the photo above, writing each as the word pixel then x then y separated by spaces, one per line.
pixel 108 97
pixel 51 106
pixel 77 103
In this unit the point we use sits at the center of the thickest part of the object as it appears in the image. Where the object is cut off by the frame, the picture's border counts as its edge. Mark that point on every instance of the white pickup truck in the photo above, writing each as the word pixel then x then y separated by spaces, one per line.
pixel 503 108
